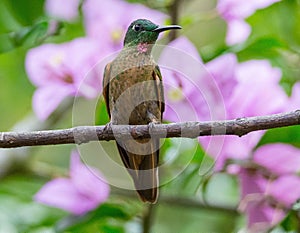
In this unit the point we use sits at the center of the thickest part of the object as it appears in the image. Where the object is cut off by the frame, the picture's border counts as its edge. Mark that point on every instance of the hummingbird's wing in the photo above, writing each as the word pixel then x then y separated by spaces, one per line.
pixel 160 90
pixel 143 165
pixel 105 85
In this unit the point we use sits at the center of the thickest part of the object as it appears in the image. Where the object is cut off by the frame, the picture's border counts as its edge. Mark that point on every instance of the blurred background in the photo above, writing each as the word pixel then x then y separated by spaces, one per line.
pixel 250 49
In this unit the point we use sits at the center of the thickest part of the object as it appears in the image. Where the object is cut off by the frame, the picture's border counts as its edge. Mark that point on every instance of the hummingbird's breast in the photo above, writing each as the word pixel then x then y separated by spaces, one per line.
pixel 133 89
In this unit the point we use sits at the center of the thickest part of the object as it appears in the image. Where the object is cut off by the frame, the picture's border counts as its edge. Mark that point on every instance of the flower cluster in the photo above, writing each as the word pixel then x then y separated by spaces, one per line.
pixel 79 193
pixel 234 12
pixel 237 90
pixel 62 70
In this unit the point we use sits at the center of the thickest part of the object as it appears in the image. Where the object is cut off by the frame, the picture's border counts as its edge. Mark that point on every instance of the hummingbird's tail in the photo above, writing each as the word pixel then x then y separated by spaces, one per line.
pixel 142 167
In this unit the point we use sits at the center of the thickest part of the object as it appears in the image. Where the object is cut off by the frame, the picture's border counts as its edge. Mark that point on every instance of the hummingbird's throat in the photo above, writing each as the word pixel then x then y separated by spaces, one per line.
pixel 143 47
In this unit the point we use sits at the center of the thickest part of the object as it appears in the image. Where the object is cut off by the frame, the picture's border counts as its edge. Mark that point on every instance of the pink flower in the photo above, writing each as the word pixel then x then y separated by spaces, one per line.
pixel 108 20
pixel 294 101
pixel 271 189
pixel 181 80
pixel 286 189
pixel 253 90
pixel 278 158
pixel 61 70
pixel 226 89
pixel 234 12
pixel 67 11
pixel 82 192
pixel 260 213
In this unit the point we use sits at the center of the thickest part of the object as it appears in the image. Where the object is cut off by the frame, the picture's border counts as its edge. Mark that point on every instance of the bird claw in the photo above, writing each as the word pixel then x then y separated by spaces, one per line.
pixel 151 126
pixel 107 128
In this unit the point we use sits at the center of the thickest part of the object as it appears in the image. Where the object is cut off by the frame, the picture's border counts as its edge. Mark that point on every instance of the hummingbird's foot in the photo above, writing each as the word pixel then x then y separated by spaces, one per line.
pixel 151 127
pixel 153 119
pixel 107 128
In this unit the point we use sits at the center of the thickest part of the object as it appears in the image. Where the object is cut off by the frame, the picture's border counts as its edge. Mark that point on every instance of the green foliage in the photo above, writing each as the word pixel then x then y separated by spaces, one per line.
pixel 291 222
pixel 107 218
pixel 19 213
pixel 284 135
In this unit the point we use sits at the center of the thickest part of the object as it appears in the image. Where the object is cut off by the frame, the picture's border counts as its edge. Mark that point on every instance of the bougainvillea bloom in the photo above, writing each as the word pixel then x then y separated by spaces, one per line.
pixel 249 96
pixel 234 12
pixel 83 191
pixel 67 11
pixel 273 187
pixel 108 20
pixel 61 70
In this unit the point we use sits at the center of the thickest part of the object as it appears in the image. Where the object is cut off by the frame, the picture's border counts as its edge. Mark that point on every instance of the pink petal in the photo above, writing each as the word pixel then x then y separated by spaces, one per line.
pixel 114 17
pixel 46 99
pixel 182 58
pixel 67 11
pixel 237 32
pixel 262 217
pixel 233 9
pixel 181 68
pixel 266 96
pixel 234 12
pixel 61 193
pixel 222 70
pixel 286 189
pixel 259 213
pixel 278 158
pixel 88 181
pixel 294 100
pixel 41 61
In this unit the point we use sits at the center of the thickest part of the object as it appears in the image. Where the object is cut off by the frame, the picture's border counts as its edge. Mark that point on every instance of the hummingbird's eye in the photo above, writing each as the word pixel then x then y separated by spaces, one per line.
pixel 137 27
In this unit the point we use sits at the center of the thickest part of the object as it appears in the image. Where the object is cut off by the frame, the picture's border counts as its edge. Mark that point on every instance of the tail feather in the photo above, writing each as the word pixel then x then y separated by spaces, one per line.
pixel 143 169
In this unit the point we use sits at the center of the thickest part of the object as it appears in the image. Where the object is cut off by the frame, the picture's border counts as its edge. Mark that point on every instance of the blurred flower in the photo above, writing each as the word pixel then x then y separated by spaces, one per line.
pixel 294 101
pixel 280 159
pixel 225 90
pixel 61 70
pixel 234 12
pixel 271 189
pixel 181 81
pixel 260 210
pixel 67 11
pixel 108 21
pixel 255 91
pixel 83 191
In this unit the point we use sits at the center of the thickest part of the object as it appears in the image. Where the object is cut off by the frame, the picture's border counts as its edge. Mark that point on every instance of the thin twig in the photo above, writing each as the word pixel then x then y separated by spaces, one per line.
pixel 84 134
pixel 186 202
pixel 174 14
pixel 147 219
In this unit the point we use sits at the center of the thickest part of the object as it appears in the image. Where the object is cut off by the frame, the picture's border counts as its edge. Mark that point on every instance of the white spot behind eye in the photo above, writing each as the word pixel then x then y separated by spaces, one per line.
pixel 137 27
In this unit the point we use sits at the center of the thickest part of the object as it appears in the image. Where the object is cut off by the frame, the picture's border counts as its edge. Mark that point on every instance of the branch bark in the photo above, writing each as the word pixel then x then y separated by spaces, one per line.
pixel 84 134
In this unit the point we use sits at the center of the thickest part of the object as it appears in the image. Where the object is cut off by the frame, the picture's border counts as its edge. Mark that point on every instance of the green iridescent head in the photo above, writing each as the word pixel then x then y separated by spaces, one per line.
pixel 144 31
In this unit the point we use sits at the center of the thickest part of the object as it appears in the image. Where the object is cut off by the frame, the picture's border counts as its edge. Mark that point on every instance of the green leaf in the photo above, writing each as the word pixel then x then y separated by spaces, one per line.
pixel 95 218
pixel 110 210
pixel 26 36
pixel 289 135
pixel 19 212
pixel 262 48
pixel 111 229
pixel 280 21
pixel 291 222
pixel 7 21
pixel 25 12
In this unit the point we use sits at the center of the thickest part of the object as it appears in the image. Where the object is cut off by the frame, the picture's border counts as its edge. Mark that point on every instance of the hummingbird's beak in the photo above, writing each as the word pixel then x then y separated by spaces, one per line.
pixel 165 28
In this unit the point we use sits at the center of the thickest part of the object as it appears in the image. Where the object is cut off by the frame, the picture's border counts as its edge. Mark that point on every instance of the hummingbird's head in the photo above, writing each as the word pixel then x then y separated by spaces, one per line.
pixel 144 31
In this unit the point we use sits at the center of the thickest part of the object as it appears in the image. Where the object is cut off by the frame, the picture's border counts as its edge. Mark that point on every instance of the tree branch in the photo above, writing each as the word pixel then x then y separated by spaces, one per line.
pixel 84 134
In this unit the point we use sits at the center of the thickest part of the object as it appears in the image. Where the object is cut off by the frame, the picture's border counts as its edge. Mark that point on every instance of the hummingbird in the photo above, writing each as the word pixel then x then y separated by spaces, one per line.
pixel 134 95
